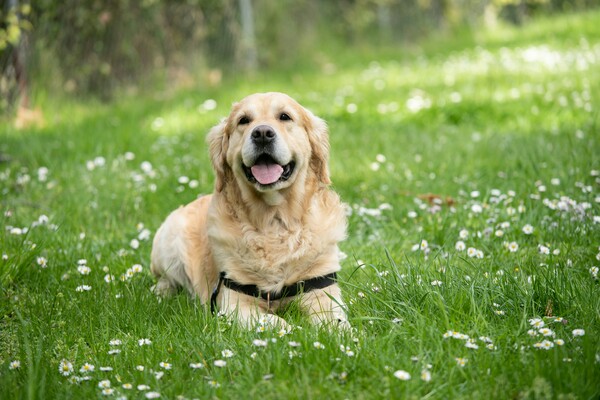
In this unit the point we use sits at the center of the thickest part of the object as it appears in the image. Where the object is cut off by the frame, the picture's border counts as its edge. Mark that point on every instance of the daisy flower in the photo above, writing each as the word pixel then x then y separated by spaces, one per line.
pixel 544 344
pixel 227 353
pixel 463 234
pixel 137 268
pixel 470 344
pixel 472 252
pixel 104 384
pixel 15 364
pixel 578 332
pixel 513 247
pixel 140 367
pixel 144 342
pixel 536 322
pixel 42 262
pixel 476 208
pixel 220 363
pixel 528 229
pixel 144 234
pixel 461 362
pixel 543 249
pixel 318 345
pixel 196 365
pixel 84 270
pixel 559 342
pixel 83 288
pixel 143 387
pixel 115 342
pixel 65 368
pixel 547 332
pixel 127 275
pixel 346 349
pixel 165 365
pixel 460 246
pixel 214 384
pixel 424 245
pixel 425 375
pixel 87 368
pixel 460 336
pixel 402 375
pixel 127 386
pixel 152 395
pixel 108 391
pixel 259 343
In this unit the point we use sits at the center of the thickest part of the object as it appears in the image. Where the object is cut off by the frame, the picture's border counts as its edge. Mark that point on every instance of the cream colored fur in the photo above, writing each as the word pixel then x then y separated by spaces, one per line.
pixel 269 237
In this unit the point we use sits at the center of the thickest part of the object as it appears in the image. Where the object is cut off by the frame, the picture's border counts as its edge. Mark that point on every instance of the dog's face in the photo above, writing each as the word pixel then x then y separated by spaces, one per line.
pixel 267 143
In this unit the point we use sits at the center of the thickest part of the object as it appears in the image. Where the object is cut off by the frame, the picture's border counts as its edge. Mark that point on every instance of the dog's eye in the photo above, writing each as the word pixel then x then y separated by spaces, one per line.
pixel 244 121
pixel 284 117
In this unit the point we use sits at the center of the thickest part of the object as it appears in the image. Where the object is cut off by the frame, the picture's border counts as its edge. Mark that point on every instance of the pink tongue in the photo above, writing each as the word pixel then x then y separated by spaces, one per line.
pixel 266 174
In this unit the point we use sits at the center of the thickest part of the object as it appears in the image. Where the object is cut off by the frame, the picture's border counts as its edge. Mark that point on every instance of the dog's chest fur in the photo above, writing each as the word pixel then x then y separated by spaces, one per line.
pixel 279 253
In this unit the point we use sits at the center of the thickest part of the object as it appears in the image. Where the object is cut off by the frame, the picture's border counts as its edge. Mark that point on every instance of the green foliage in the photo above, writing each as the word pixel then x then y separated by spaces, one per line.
pixel 464 140
pixel 98 46
pixel 12 24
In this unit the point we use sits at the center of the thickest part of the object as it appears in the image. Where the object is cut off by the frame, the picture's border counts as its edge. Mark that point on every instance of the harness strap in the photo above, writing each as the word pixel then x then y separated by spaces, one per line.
pixel 319 282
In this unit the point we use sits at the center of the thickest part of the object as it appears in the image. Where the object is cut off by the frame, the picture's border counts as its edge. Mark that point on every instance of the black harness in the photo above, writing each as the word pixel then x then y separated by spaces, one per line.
pixel 319 282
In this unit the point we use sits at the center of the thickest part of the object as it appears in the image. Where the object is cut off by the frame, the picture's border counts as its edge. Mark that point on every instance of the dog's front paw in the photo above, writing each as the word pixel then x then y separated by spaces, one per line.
pixel 164 288
pixel 270 321
pixel 343 324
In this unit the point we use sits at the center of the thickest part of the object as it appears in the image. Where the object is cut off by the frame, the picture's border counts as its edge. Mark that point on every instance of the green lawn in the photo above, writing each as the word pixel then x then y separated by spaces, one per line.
pixel 472 169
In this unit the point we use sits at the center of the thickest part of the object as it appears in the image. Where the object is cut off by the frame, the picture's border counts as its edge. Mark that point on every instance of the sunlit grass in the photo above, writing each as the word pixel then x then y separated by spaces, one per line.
pixel 472 174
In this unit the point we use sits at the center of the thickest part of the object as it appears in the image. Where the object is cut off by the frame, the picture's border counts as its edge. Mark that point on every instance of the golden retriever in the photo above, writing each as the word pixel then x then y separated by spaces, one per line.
pixel 269 233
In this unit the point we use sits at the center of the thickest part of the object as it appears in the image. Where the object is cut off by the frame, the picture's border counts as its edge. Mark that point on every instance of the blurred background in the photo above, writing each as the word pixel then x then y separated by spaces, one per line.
pixel 101 48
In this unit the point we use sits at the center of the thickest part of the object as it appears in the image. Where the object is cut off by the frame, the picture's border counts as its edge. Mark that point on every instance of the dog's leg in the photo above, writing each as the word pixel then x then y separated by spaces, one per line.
pixel 325 307
pixel 169 249
pixel 164 287
pixel 248 311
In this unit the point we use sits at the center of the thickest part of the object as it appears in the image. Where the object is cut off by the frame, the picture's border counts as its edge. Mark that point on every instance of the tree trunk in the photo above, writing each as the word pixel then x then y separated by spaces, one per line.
pixel 248 42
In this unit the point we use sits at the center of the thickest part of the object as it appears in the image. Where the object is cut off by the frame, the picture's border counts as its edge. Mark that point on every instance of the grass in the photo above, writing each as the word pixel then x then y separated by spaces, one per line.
pixel 486 134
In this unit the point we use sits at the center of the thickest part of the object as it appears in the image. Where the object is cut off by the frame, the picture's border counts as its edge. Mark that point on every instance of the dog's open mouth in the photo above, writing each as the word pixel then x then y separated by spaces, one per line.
pixel 267 171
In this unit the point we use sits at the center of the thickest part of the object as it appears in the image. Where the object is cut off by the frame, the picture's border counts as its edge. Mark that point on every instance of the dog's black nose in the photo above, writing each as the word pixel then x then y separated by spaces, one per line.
pixel 263 134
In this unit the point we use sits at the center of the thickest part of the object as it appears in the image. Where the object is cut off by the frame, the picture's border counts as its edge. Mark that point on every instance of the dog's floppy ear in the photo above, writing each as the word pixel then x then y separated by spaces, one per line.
pixel 218 142
pixel 318 136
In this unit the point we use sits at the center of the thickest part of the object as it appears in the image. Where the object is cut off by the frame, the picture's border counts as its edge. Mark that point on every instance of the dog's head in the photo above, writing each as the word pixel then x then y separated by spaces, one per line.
pixel 267 143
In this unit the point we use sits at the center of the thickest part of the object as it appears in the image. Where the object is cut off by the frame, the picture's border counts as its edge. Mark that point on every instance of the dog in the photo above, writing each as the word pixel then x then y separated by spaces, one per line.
pixel 269 232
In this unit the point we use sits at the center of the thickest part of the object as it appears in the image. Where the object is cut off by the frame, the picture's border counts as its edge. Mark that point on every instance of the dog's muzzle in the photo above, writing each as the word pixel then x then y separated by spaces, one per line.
pixel 266 169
